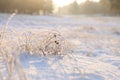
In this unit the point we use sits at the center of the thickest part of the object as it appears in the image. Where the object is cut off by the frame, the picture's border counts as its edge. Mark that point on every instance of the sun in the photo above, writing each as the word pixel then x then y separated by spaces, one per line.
pixel 61 3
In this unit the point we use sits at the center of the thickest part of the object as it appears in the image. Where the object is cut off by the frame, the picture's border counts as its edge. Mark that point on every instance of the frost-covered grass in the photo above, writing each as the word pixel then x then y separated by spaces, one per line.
pixel 90 47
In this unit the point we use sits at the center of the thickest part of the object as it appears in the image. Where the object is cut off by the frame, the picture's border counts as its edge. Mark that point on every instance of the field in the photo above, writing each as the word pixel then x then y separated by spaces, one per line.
pixel 89 48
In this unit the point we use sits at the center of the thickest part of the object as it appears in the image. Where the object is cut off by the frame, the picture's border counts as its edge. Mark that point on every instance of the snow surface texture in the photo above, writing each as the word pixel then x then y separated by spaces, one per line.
pixel 94 42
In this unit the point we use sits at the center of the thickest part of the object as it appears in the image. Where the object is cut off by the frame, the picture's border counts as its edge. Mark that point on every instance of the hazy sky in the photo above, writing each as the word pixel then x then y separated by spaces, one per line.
pixel 60 3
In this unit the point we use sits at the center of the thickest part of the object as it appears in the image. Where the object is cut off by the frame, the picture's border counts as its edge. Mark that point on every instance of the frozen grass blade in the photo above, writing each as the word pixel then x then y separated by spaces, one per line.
pixel 2 35
pixel 8 59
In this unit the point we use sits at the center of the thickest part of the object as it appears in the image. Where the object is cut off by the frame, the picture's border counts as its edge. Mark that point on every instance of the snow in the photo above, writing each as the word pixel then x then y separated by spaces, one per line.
pixel 94 42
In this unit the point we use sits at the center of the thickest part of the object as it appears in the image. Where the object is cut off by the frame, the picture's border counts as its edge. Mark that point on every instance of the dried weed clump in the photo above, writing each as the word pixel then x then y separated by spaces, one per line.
pixel 43 44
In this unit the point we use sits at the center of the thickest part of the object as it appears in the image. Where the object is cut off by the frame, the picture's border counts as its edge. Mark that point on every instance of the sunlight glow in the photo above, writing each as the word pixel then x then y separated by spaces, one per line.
pixel 60 3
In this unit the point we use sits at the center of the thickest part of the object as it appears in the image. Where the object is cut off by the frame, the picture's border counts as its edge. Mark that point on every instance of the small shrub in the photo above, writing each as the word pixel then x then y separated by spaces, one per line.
pixel 48 43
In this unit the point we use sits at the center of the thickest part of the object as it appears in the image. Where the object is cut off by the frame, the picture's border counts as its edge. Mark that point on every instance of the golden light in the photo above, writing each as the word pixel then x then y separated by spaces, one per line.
pixel 60 3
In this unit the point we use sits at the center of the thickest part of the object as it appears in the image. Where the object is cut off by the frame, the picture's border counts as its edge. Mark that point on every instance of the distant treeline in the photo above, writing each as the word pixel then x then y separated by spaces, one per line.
pixel 46 7
pixel 26 6
pixel 111 7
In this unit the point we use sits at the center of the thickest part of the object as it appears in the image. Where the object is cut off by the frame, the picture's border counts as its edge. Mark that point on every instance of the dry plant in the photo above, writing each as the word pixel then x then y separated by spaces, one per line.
pixel 43 44
pixel 12 69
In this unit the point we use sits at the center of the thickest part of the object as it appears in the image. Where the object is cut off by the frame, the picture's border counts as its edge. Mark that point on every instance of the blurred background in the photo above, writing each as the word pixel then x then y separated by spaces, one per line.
pixel 86 31
pixel 61 7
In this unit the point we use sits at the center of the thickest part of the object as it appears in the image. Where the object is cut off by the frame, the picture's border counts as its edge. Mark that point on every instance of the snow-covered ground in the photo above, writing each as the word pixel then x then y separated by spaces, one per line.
pixel 94 43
